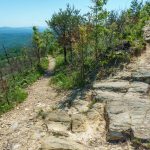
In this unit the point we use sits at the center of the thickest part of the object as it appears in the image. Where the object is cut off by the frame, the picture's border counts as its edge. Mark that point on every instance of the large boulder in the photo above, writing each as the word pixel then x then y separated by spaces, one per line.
pixel 53 143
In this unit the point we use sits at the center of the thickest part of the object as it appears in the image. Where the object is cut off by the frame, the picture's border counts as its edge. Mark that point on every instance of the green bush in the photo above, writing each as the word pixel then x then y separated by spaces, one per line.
pixel 117 58
pixel 15 95
pixel 5 107
pixel 138 47
pixel 16 92
pixel 59 61
pixel 65 80
pixel 44 63
pixel 42 67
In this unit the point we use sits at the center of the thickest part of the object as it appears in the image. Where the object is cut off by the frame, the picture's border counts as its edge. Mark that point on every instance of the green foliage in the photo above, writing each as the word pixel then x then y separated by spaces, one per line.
pixel 64 78
pixel 18 95
pixel 5 107
pixel 59 61
pixel 65 27
pixel 26 78
pixel 105 39
pixel 43 66
pixel 15 95
pixel 116 58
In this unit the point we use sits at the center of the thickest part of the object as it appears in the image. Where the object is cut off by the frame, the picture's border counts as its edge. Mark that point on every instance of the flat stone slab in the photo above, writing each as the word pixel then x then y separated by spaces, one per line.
pixel 128 114
pixel 53 143
pixel 58 128
pixel 142 75
pixel 119 86
pixel 105 96
pixel 58 116
pixel 139 87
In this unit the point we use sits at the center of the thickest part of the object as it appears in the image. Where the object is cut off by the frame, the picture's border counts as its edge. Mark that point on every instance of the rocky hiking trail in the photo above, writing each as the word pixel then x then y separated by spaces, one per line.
pixel 106 117
pixel 19 125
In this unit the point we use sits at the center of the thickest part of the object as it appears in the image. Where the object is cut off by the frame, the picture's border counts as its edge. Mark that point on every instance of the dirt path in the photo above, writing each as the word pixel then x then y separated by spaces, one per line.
pixel 17 126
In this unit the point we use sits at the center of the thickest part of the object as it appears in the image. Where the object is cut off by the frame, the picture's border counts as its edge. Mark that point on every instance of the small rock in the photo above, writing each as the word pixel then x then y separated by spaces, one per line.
pixel 105 96
pixel 99 107
pixel 81 106
pixel 58 116
pixel 14 126
pixel 79 123
pixel 16 146
pixel 58 128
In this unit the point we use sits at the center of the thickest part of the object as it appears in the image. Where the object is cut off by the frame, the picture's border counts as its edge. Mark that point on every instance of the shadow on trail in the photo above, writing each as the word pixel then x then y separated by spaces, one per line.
pixel 79 94
pixel 74 95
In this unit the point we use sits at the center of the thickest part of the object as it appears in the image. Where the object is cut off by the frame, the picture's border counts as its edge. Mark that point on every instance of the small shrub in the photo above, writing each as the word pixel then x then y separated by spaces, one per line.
pixel 42 114
pixel 5 107
pixel 19 95
pixel 59 61
pixel 66 80
pixel 42 67
pixel 116 58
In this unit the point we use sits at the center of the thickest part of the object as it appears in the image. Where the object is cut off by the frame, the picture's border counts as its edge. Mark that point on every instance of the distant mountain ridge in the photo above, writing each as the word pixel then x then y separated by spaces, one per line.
pixel 16 37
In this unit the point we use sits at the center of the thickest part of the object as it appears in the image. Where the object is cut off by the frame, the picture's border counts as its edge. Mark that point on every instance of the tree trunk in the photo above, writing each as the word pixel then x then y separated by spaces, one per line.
pixel 65 55
pixel 71 52
pixel 96 31
pixel 38 55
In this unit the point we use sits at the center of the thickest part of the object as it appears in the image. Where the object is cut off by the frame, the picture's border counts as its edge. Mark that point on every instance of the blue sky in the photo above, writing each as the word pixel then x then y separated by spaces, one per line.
pixel 25 13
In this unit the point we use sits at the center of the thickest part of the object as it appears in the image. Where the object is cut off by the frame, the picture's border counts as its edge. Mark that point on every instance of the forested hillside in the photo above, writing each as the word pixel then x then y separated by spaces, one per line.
pixel 15 38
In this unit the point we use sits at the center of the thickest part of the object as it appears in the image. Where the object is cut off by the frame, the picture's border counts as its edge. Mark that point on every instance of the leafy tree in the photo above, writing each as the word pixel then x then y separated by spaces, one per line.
pixel 135 9
pixel 99 15
pixel 37 43
pixel 65 24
